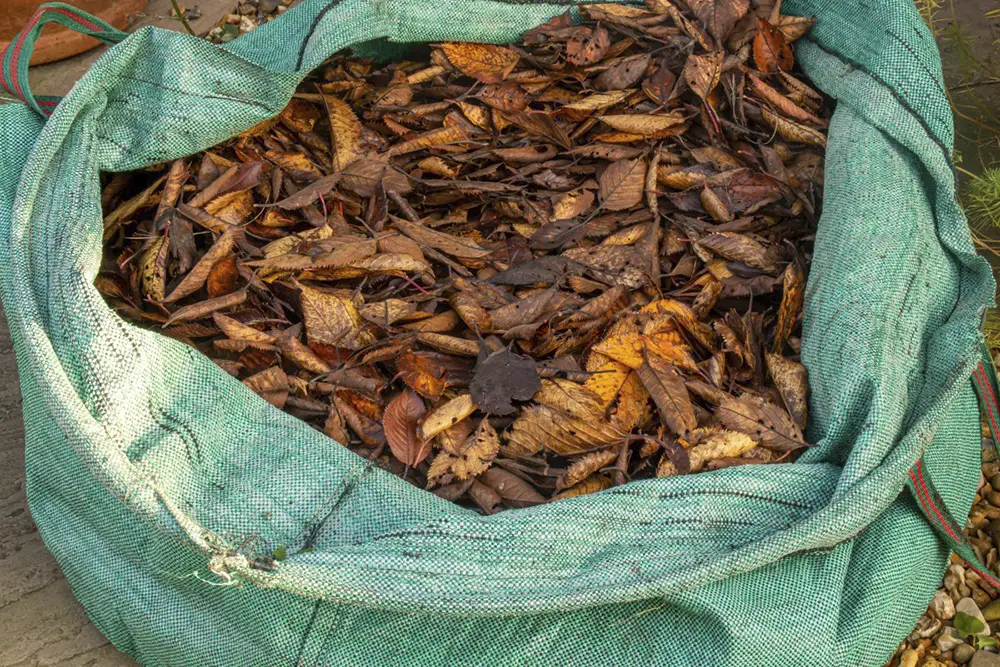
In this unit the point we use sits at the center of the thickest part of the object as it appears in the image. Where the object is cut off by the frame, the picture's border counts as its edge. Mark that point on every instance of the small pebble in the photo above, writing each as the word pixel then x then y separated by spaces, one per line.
pixel 991 612
pixel 927 626
pixel 943 607
pixel 981 597
pixel 948 639
pixel 963 653
pixel 909 658
pixel 993 498
pixel 969 606
pixel 995 482
pixel 985 659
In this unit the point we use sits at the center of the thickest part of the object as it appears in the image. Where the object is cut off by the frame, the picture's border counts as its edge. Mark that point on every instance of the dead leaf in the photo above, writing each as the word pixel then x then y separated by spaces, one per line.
pixel 400 426
pixel 515 491
pixel 585 466
pixel 792 381
pixel 701 72
pixel 588 45
pixel 666 385
pixel 447 415
pixel 761 420
pixel 622 184
pixel 592 484
pixel 503 377
pixel 487 63
pixel 770 48
pixel 271 385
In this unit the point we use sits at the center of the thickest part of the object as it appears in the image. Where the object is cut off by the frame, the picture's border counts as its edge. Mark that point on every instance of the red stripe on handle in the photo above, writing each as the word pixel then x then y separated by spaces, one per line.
pixel 984 388
pixel 16 53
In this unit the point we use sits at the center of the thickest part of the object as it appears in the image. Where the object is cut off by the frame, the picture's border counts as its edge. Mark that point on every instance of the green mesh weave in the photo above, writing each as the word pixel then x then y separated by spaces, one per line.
pixel 154 476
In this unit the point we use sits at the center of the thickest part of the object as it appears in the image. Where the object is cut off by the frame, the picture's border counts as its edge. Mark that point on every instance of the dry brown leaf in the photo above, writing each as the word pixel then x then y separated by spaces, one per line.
pixel 587 45
pixel 332 318
pixel 761 420
pixel 399 424
pixel 585 466
pixel 205 308
pixel 792 131
pixel 271 385
pixel 702 72
pixel 452 245
pixel 643 125
pixel 197 276
pixel 771 50
pixel 666 385
pixel 479 452
pixel 446 415
pixel 718 16
pixel 724 444
pixel 592 484
pixel 345 132
pixel 153 270
pixel 792 381
pixel 515 491
pixel 792 298
pixel 487 63
pixel 622 184
pixel 424 372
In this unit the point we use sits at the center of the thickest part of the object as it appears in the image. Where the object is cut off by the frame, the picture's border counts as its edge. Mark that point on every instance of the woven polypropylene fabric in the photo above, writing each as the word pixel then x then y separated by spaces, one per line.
pixel 154 477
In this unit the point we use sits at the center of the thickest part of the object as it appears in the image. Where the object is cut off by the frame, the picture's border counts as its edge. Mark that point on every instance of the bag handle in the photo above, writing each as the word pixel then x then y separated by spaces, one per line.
pixel 15 58
pixel 931 504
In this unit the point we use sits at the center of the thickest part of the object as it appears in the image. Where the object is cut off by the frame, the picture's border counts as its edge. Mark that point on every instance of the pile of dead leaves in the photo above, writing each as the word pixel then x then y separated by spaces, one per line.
pixel 510 273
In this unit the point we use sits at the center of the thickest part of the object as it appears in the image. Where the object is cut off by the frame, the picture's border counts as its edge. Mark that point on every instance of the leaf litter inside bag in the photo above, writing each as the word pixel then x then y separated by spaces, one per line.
pixel 510 274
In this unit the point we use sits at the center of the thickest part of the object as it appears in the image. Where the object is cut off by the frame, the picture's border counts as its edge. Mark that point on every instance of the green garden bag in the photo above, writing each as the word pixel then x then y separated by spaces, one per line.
pixel 159 482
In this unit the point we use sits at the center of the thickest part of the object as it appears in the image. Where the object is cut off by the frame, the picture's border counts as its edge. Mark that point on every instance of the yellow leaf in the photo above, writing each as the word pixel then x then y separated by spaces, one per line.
pixel 446 415
pixel 792 131
pixel 724 444
pixel 153 269
pixel 622 184
pixel 345 133
pixel 599 101
pixel 607 380
pixel 585 466
pixel 570 397
pixel 541 426
pixel 333 318
pixel 271 385
pixel 478 116
pixel 633 403
pixel 592 484
pixel 478 453
pixel 487 63
pixel 644 125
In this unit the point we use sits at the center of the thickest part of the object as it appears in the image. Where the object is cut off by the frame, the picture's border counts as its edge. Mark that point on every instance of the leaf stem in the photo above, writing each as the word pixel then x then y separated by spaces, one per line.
pixel 182 15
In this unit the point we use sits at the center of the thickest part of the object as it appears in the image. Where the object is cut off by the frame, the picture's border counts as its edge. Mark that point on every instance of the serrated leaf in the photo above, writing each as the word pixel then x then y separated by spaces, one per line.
pixel 501 378
pixel 400 426
pixel 622 184
pixel 487 63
